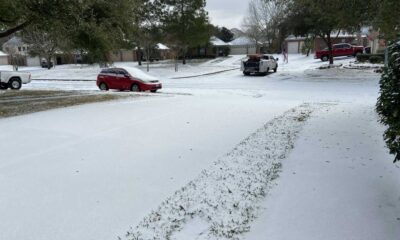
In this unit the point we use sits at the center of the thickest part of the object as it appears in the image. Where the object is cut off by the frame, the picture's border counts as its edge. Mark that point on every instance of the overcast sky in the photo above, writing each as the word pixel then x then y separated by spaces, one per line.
pixel 227 13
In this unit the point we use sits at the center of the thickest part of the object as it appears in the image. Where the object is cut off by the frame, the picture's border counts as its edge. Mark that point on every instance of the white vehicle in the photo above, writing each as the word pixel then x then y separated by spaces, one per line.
pixel 13 80
pixel 259 64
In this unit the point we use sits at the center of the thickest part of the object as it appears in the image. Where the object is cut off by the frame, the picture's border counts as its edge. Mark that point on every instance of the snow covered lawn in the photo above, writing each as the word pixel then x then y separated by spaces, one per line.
pixel 224 198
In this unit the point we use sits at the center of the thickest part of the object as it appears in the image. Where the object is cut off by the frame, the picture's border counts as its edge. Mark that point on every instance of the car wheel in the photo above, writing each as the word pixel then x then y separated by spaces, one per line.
pixel 135 88
pixel 246 73
pixel 15 84
pixel 3 86
pixel 325 58
pixel 103 87
pixel 153 91
pixel 275 69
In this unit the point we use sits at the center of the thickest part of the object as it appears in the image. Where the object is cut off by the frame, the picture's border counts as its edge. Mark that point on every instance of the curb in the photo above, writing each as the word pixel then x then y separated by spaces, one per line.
pixel 206 74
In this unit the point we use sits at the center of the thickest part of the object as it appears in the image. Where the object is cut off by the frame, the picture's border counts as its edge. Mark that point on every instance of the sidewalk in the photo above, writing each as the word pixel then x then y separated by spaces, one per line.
pixel 338 183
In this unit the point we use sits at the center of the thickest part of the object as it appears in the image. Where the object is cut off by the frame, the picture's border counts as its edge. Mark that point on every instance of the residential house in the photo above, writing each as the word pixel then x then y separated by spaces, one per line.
pixel 219 47
pixel 160 52
pixel 243 45
pixel 294 45
pixel 18 52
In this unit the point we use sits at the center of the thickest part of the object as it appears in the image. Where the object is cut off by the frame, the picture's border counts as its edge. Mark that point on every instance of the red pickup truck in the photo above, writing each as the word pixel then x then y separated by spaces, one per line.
pixel 342 49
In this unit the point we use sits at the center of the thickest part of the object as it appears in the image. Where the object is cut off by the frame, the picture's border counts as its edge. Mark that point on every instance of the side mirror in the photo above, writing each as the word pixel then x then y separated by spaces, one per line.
pixel 277 59
pixel 126 75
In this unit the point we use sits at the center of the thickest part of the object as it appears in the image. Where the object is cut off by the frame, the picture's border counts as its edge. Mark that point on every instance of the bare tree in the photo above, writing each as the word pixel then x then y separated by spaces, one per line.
pixel 253 25
pixel 41 44
pixel 263 21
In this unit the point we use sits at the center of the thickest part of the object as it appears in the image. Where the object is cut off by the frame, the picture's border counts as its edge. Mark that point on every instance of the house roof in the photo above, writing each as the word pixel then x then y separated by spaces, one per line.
pixel 241 41
pixel 333 35
pixel 2 54
pixel 218 42
pixel 162 46
pixel 16 41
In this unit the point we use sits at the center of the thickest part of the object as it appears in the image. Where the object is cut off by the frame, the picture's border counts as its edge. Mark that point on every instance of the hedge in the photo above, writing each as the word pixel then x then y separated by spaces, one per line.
pixel 372 58
pixel 388 105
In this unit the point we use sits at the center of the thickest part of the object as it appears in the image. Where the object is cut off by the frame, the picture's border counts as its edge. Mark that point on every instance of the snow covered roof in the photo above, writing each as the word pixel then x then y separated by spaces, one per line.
pixel 16 41
pixel 162 46
pixel 218 42
pixel 333 35
pixel 242 41
pixel 2 54
pixel 292 37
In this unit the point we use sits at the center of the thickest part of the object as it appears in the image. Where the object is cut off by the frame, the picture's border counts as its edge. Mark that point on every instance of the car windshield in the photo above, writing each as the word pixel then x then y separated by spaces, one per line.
pixel 139 74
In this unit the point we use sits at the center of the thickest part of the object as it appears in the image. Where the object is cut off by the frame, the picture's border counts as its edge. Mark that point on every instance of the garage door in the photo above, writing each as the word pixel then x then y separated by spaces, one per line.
pixel 293 47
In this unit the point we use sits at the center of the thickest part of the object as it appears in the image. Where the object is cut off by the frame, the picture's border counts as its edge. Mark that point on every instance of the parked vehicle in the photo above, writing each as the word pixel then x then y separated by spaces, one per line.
pixel 342 49
pixel 259 64
pixel 127 78
pixel 44 64
pixel 13 80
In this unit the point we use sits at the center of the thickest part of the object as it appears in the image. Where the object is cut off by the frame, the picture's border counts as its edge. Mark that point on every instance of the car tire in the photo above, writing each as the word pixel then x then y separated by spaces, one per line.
pixel 3 86
pixel 246 73
pixel 325 58
pixel 275 69
pixel 103 87
pixel 135 88
pixel 15 84
pixel 153 91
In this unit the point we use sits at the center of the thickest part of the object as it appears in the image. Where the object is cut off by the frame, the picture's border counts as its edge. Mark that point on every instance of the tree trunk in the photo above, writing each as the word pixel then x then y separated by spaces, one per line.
pixel 329 42
pixel 48 59
pixel 139 55
pixel 183 56
pixel 257 48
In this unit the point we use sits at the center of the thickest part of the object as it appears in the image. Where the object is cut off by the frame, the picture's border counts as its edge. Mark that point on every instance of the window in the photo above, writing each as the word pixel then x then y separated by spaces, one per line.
pixel 108 71
pixel 265 57
pixel 121 72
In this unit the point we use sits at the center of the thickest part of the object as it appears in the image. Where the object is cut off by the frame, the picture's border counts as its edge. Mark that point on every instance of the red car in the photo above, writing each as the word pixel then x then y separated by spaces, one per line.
pixel 343 49
pixel 127 78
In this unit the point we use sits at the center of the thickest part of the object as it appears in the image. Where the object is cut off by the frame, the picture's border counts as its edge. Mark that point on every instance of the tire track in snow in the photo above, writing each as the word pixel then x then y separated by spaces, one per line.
pixel 223 201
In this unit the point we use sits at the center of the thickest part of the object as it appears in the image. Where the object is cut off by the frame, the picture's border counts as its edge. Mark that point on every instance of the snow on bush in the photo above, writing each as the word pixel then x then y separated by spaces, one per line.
pixel 225 196
pixel 388 104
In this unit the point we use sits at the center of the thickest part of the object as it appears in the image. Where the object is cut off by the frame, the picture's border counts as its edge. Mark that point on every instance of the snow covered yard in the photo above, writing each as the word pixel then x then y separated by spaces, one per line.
pixel 200 159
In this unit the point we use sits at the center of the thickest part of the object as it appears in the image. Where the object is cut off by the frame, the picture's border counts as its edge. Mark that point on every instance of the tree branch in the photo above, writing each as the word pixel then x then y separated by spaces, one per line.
pixel 15 29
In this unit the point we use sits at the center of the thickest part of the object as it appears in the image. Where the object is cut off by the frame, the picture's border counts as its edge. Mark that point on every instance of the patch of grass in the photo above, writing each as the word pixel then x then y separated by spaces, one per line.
pixel 21 102
pixel 33 93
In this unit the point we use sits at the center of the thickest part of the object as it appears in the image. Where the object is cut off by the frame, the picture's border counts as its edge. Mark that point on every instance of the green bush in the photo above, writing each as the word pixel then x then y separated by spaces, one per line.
pixel 372 58
pixel 377 59
pixel 388 105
